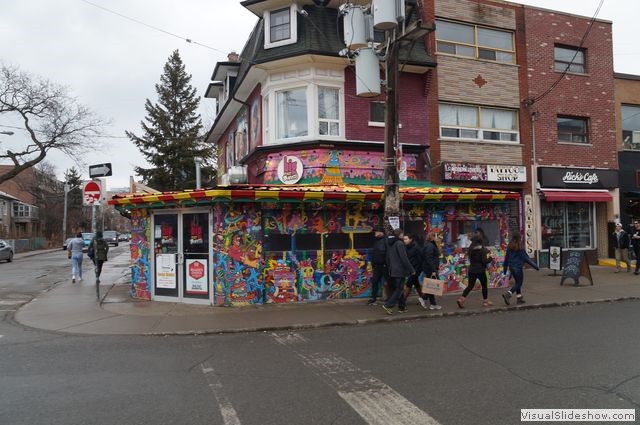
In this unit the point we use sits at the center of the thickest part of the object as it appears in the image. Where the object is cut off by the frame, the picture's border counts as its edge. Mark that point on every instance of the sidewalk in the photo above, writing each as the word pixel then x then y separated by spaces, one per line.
pixel 73 308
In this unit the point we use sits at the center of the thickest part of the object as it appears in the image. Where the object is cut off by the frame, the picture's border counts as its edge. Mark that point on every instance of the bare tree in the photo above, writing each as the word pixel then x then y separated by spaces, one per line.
pixel 52 119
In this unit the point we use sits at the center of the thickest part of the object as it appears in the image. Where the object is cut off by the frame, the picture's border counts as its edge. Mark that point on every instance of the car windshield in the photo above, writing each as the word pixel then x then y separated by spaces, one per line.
pixel 87 236
pixel 110 234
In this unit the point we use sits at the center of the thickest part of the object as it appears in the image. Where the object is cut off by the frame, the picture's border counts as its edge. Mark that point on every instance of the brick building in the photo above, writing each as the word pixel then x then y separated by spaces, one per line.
pixel 627 89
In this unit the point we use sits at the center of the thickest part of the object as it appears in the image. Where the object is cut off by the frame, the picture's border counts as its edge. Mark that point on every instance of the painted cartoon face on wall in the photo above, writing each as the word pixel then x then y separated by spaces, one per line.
pixel 255 128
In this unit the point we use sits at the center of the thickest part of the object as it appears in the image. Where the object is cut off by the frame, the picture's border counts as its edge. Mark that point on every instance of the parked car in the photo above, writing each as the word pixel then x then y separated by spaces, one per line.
pixel 6 252
pixel 65 244
pixel 87 237
pixel 110 237
pixel 124 237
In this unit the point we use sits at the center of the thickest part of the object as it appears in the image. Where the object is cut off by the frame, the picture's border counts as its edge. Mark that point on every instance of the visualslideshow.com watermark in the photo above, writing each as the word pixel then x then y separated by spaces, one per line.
pixel 577 415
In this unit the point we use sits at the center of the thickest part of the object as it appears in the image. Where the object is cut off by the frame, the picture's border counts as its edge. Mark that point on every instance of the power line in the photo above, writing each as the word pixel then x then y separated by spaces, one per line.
pixel 106 136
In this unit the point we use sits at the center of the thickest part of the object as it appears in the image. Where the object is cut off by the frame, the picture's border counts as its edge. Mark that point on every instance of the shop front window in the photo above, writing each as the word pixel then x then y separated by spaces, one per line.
pixel 567 224
pixel 631 127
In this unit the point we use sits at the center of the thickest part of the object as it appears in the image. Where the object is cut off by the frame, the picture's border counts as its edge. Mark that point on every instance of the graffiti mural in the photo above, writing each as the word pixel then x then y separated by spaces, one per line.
pixel 140 254
pixel 331 166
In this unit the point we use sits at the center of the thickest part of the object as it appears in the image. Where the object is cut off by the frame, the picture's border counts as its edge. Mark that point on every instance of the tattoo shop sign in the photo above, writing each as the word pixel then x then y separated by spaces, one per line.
pixel 485 172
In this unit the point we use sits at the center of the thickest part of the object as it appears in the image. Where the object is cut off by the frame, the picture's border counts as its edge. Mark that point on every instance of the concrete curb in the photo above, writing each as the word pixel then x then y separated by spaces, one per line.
pixel 394 318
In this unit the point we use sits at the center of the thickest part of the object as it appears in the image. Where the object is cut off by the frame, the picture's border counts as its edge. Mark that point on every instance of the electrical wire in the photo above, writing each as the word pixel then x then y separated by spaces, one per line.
pixel 106 136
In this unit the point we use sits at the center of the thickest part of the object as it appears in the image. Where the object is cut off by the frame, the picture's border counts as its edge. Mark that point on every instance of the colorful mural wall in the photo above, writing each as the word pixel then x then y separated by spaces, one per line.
pixel 327 166
pixel 140 254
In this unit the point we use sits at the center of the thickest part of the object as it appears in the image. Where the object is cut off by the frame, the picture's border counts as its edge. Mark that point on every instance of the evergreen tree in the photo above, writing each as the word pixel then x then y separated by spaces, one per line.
pixel 76 214
pixel 172 132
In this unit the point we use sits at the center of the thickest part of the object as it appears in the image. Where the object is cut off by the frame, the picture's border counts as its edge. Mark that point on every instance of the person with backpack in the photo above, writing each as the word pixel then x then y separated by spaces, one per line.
pixel 399 269
pixel 431 267
pixel 99 248
pixel 514 261
pixel 378 263
pixel 479 258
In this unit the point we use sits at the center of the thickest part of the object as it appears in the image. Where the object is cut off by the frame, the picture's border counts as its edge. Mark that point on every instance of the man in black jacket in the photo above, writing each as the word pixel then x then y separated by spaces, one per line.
pixel 378 263
pixel 635 240
pixel 399 269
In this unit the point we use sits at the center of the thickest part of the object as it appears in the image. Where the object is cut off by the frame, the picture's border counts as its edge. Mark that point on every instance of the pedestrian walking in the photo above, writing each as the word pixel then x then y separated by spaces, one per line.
pixel 399 269
pixel 74 252
pixel 378 263
pixel 514 262
pixel 635 240
pixel 621 241
pixel 100 249
pixel 479 257
pixel 430 268
pixel 413 246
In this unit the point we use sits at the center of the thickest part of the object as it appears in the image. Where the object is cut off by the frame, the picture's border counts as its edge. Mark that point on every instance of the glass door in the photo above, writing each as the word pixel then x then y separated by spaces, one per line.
pixel 166 255
pixel 195 245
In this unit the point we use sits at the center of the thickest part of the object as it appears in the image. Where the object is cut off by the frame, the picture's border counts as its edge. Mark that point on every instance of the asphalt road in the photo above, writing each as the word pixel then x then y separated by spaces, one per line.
pixel 455 370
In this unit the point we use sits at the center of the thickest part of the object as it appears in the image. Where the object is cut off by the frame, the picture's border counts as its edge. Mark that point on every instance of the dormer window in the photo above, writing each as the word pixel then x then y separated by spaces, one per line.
pixel 280 27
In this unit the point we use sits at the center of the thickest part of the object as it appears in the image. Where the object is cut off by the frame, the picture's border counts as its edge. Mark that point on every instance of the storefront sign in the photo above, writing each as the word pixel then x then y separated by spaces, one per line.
pixel 290 169
pixel 166 271
pixel 196 282
pixel 577 178
pixel 485 172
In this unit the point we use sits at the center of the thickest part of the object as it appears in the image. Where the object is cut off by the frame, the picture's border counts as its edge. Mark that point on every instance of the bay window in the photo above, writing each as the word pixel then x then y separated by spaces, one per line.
pixel 328 111
pixel 291 113
pixel 478 123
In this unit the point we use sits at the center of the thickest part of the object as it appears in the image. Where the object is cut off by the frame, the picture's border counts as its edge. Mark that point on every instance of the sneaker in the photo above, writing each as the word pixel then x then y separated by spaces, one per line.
pixel 97 280
pixel 520 300
pixel 73 280
pixel 487 303
pixel 617 271
pixel 460 302
pixel 387 309
pixel 79 279
pixel 422 302
pixel 636 273
pixel 372 302
pixel 435 307
pixel 403 310
pixel 505 296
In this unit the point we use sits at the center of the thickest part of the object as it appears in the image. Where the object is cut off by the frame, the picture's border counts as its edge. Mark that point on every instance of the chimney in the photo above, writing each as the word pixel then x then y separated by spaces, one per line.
pixel 233 57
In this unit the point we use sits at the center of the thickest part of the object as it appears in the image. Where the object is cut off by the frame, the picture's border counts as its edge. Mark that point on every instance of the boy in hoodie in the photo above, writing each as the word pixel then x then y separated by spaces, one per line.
pixel 378 263
pixel 399 270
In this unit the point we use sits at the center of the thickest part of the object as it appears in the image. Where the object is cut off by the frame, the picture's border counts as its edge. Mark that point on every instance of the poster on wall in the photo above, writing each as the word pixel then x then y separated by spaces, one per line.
pixel 255 123
pixel 166 271
pixel 230 151
pixel 196 282
pixel 555 258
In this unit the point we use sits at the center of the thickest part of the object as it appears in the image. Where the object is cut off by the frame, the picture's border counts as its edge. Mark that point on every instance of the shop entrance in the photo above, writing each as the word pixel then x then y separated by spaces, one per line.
pixel 181 257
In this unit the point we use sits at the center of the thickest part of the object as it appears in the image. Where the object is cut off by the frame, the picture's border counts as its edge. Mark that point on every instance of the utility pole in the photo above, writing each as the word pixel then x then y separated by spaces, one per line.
pixel 391 177
pixel 64 215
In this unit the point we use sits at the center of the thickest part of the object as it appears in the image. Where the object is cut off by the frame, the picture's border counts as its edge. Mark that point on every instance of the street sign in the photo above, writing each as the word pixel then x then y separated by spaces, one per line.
pixel 100 170
pixel 91 193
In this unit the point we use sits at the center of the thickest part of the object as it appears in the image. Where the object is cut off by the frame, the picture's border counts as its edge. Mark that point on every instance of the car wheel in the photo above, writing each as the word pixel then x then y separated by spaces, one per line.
pixel 10 259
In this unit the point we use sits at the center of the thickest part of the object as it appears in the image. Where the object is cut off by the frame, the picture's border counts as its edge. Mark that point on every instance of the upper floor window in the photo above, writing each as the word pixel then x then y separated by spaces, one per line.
pixel 476 42
pixel 569 59
pixel 572 130
pixel 280 28
pixel 291 113
pixel 631 126
pixel 376 113
pixel 478 123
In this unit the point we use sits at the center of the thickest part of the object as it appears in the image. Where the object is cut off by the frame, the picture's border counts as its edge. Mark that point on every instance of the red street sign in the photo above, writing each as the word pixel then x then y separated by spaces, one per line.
pixel 196 270
pixel 91 193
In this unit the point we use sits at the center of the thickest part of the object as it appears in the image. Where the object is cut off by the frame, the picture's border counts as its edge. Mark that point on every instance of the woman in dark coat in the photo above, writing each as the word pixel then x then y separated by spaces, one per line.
pixel 399 269
pixel 431 267
pixel 414 253
pixel 479 257
pixel 514 262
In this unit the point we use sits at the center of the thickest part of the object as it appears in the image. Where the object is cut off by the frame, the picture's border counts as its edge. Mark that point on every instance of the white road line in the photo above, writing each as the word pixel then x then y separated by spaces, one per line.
pixel 229 415
pixel 375 402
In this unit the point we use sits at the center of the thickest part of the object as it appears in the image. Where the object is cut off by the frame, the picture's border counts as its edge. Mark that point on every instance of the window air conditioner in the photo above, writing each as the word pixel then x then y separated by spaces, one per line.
pixel 238 174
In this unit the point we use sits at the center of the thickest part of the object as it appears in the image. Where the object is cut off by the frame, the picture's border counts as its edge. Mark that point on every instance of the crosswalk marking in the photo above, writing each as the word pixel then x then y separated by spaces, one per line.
pixel 375 402
pixel 229 414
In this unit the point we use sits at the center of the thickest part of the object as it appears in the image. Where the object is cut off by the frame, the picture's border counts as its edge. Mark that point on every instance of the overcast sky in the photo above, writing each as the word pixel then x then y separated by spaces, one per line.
pixel 111 64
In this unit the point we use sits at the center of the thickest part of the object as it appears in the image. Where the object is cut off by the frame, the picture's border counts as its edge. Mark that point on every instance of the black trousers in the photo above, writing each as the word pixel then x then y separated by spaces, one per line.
pixel 379 273
pixel 636 251
pixel 482 277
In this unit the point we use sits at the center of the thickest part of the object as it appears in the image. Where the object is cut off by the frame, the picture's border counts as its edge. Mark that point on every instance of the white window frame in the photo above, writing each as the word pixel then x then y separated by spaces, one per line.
pixel 376 123
pixel 227 86
pixel 329 121
pixel 480 130
pixel 309 78
pixel 292 23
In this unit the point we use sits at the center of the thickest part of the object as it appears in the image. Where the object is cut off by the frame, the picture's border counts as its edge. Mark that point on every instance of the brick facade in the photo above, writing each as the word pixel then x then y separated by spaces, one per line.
pixel 478 12
pixel 589 95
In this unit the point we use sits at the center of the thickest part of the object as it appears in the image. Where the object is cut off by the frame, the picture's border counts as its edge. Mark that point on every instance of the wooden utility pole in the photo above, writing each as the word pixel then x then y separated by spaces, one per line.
pixel 391 177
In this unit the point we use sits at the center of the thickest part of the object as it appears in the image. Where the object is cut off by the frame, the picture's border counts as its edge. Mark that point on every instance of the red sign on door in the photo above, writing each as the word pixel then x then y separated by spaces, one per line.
pixel 196 270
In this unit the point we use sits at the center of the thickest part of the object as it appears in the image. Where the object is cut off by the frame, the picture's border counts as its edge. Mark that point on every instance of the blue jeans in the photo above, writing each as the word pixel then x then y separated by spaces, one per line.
pixel 518 277
pixel 397 283
pixel 76 264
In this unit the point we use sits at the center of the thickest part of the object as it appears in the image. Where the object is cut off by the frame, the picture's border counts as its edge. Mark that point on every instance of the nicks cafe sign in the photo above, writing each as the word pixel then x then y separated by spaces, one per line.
pixel 485 172
pixel 577 178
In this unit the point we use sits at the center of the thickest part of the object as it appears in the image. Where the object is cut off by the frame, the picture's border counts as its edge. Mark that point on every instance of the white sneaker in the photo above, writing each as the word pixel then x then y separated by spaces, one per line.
pixel 422 302
pixel 73 279
pixel 79 279
pixel 435 307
